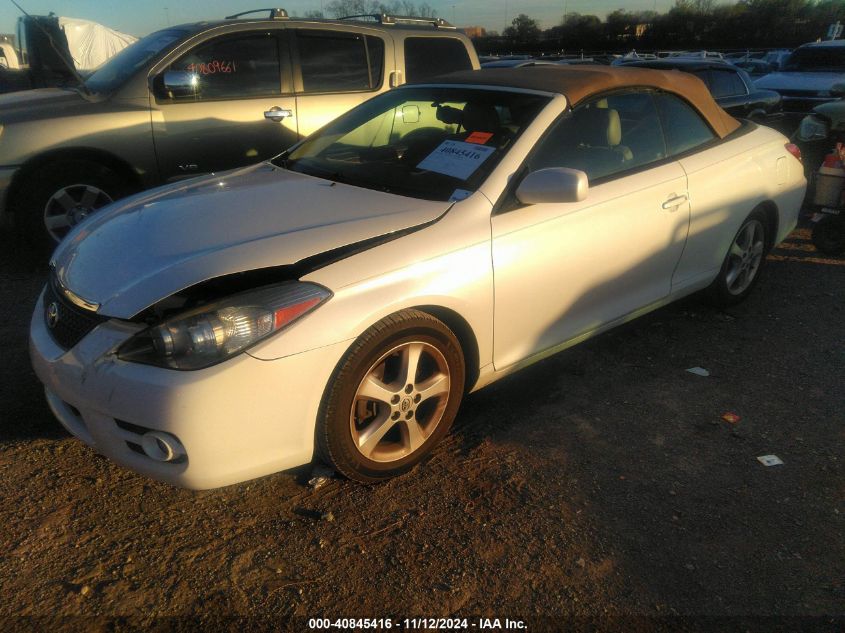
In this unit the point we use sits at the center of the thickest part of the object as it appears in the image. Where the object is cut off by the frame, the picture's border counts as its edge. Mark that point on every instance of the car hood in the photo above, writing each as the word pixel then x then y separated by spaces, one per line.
pixel 811 82
pixel 40 103
pixel 141 250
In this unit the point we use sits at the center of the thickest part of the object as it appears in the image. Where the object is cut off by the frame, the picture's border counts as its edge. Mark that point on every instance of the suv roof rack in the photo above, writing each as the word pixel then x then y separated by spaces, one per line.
pixel 275 14
pixel 383 18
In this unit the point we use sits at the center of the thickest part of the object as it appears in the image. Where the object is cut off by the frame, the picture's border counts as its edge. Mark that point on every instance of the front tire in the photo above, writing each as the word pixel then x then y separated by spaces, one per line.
pixel 392 398
pixel 743 263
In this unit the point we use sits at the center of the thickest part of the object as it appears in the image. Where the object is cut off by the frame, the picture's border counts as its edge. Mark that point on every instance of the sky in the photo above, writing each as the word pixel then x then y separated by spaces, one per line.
pixel 139 18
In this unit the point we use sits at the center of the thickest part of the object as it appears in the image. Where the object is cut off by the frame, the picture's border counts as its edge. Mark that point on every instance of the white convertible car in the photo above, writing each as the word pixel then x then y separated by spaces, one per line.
pixel 338 301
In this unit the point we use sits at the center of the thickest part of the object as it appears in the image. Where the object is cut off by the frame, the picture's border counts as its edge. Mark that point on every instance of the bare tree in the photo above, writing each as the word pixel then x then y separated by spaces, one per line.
pixel 341 8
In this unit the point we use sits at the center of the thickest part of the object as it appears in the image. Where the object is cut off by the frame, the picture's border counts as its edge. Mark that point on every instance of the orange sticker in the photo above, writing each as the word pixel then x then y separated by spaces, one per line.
pixel 479 138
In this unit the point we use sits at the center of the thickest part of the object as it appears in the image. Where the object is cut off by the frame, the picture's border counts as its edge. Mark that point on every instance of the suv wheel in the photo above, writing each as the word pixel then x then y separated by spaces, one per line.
pixel 59 195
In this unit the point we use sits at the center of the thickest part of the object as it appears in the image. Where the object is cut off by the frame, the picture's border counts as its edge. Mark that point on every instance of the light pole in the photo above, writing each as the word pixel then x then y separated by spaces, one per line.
pixel 167 15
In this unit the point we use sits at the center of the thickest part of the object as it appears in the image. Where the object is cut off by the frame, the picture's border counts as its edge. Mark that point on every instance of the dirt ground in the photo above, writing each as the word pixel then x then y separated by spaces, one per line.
pixel 598 490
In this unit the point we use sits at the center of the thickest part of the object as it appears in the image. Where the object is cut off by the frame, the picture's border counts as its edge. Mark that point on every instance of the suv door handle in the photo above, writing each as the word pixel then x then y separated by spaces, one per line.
pixel 675 201
pixel 277 114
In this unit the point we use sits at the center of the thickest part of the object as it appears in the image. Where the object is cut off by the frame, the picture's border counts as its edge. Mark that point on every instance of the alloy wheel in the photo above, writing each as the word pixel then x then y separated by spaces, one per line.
pixel 745 257
pixel 400 401
pixel 70 205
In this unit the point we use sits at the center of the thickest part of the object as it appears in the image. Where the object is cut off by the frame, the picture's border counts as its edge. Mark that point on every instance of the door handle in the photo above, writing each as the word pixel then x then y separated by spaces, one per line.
pixel 675 201
pixel 277 114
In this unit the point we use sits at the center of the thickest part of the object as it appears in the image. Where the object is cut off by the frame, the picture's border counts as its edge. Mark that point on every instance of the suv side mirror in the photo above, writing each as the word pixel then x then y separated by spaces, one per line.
pixel 181 83
pixel 553 184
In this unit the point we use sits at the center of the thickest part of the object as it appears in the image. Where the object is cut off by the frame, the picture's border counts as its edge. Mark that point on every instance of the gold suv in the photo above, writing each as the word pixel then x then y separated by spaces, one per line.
pixel 199 98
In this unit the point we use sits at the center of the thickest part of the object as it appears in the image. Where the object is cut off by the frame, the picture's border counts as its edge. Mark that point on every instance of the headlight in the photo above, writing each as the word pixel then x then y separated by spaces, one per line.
pixel 812 128
pixel 211 334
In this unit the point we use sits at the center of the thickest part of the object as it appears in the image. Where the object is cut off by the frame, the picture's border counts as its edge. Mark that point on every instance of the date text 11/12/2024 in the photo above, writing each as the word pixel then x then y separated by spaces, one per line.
pixel 417 624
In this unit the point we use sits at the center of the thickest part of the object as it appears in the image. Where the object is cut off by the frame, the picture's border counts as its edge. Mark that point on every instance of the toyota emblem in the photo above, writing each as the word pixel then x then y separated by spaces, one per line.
pixel 52 314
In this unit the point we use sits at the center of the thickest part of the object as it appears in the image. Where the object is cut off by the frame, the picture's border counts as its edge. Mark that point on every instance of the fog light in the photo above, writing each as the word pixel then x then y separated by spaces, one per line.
pixel 162 447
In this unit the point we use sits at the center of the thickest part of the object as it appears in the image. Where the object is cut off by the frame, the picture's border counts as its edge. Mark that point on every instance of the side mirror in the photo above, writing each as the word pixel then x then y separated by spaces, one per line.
pixel 181 83
pixel 838 90
pixel 553 184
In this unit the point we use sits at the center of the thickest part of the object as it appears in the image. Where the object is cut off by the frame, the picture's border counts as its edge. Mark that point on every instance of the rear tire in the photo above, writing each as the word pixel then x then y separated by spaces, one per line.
pixel 60 194
pixel 829 235
pixel 743 263
pixel 392 398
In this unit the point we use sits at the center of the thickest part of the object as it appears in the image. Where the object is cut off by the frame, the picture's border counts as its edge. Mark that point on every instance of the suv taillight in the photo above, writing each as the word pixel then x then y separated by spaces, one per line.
pixel 793 149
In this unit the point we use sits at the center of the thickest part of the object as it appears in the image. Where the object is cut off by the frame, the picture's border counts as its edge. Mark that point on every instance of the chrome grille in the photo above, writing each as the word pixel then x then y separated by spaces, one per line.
pixel 67 323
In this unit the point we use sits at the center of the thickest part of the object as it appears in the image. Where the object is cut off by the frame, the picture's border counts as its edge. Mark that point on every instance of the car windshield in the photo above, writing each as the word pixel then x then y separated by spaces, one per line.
pixel 817 59
pixel 111 75
pixel 434 143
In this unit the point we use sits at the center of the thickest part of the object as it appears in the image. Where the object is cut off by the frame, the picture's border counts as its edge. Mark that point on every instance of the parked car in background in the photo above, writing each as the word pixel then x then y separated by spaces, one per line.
pixel 338 301
pixel 819 132
pixel 807 77
pixel 754 67
pixel 731 87
pixel 200 98
pixel 777 58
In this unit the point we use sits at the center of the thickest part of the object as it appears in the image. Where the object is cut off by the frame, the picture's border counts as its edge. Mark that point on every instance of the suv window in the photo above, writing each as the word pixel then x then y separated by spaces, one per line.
pixel 335 61
pixel 604 137
pixel 726 83
pixel 427 57
pixel 233 67
pixel 683 127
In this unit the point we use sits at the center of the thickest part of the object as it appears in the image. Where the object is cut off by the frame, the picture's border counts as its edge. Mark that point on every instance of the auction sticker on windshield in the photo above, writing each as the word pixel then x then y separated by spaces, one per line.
pixel 456 158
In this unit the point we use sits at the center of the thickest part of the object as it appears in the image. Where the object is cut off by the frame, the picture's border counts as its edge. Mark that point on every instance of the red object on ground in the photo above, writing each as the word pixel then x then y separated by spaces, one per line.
pixel 731 418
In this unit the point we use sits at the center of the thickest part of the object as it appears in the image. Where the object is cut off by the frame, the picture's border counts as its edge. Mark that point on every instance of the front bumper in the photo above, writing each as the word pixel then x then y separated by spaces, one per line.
pixel 238 420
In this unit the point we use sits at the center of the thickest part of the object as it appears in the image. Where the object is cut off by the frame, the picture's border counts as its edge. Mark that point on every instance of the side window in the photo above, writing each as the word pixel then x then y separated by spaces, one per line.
pixel 684 128
pixel 234 67
pixel 603 137
pixel 336 61
pixel 724 83
pixel 427 57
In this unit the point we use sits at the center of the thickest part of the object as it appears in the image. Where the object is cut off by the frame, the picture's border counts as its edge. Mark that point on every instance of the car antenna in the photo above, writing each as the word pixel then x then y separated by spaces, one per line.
pixel 61 55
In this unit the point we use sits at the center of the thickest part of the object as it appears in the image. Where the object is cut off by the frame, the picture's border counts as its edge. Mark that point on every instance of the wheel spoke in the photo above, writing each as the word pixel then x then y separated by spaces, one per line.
pixel 733 273
pixel 374 389
pixel 369 438
pixel 736 249
pixel 413 435
pixel 747 237
pixel 437 385
pixel 742 282
pixel 410 361
pixel 65 200
pixel 54 222
pixel 757 249
pixel 89 197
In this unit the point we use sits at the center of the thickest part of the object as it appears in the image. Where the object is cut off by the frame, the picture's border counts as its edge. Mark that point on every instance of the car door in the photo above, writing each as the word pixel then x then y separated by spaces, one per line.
pixel 718 176
pixel 243 110
pixel 334 70
pixel 563 270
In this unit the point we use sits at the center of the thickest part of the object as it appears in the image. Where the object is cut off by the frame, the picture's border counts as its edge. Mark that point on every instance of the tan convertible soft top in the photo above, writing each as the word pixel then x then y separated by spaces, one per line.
pixel 577 83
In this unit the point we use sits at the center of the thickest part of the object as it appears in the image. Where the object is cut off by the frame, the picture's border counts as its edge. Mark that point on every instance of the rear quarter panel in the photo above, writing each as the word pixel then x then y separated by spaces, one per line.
pixel 726 182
